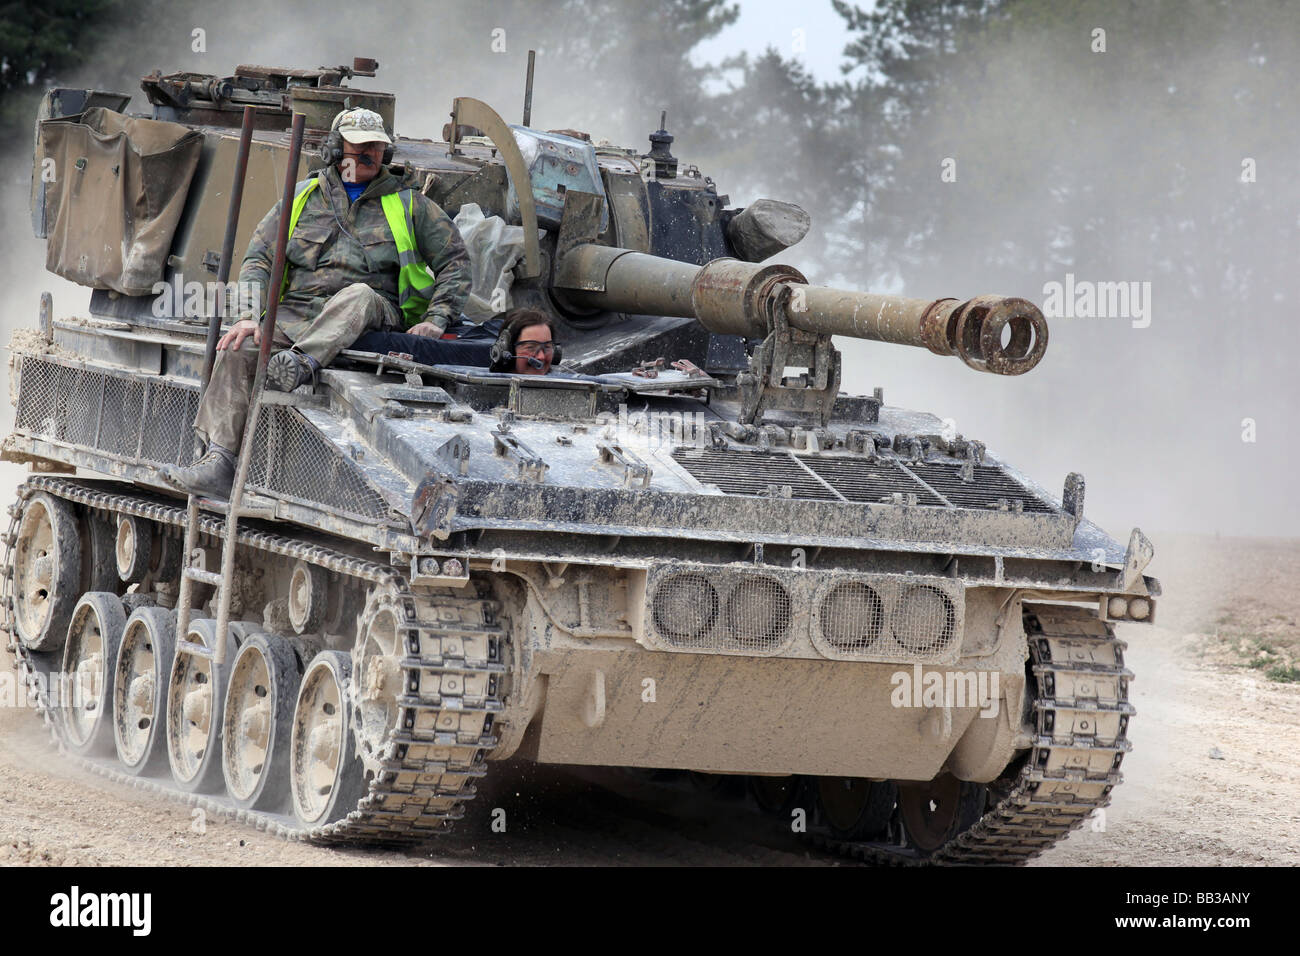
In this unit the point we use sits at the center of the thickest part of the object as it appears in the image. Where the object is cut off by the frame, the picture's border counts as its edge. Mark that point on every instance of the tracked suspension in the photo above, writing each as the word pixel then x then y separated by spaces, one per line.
pixel 1081 715
pixel 452 669
pixel 449 657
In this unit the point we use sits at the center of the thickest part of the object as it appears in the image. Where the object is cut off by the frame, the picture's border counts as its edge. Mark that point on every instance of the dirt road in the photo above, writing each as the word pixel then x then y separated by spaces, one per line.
pixel 1214 777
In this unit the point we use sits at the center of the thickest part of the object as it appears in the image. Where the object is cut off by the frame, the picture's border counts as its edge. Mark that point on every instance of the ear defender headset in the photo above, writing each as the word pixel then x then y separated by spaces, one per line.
pixel 502 359
pixel 331 150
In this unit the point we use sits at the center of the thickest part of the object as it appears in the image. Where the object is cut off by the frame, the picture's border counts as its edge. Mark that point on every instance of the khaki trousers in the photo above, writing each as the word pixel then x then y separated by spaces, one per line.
pixel 345 317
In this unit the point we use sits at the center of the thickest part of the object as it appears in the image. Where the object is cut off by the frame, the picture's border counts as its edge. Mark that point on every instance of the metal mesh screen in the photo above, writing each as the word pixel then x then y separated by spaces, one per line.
pixel 293 460
pixel 852 617
pixel 257 477
pixel 923 621
pixel 743 472
pixel 686 608
pixel 39 395
pixel 169 435
pixel 730 612
pixel 990 488
pixel 758 613
pixel 860 480
pixel 116 414
pixel 123 411
pixel 887 618
pixel 750 473
pixel 764 610
pixel 81 408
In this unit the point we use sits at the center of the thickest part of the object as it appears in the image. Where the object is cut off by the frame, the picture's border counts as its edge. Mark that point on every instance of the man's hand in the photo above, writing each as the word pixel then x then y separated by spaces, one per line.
pixel 429 330
pixel 238 332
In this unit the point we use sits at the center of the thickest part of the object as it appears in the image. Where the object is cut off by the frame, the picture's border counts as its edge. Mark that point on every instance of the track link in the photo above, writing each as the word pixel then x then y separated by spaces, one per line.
pixel 1081 713
pixel 453 671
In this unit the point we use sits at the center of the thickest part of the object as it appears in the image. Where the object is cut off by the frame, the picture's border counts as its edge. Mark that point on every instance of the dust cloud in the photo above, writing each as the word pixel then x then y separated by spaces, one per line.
pixel 1047 143
pixel 1120 166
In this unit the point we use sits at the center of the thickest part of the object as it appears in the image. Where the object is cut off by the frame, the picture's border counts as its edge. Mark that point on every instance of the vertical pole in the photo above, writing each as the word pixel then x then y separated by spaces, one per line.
pixel 47 318
pixel 186 597
pixel 259 382
pixel 228 243
pixel 277 264
pixel 528 89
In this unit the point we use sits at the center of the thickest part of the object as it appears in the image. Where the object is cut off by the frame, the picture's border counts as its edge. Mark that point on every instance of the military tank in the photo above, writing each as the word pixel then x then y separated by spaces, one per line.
pixel 717 565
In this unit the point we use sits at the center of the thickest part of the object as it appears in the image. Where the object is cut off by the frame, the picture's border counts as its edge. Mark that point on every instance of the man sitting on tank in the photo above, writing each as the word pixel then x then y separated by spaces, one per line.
pixel 355 261
pixel 524 343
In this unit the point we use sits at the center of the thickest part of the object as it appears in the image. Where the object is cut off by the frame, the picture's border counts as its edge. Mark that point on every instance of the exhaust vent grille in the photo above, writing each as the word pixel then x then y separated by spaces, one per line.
pixel 750 473
pixel 871 482
pixel 888 618
pixel 936 484
pixel 761 610
pixel 990 487
pixel 738 612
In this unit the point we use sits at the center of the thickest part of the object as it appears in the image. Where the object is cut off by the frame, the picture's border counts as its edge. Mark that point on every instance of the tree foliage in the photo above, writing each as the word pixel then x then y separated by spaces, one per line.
pixel 1127 160
pixel 38 42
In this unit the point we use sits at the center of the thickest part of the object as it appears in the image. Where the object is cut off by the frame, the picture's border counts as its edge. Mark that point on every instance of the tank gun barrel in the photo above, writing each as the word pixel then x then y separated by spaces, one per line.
pixel 998 334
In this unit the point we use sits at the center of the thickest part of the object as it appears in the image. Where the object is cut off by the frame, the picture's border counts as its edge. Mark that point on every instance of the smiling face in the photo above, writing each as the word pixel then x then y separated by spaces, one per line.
pixel 535 343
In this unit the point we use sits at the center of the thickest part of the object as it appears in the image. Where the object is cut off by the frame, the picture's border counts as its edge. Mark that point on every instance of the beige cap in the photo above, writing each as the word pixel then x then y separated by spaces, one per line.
pixel 361 126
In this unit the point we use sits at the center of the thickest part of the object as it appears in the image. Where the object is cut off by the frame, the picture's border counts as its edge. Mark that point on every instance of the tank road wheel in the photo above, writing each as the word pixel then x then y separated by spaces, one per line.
pixel 99 556
pixel 47 572
pixel 133 548
pixel 165 558
pixel 89 659
pixel 196 691
pixel 855 808
pixel 376 664
pixel 259 708
pixel 326 777
pixel 144 663
pixel 935 813
pixel 308 597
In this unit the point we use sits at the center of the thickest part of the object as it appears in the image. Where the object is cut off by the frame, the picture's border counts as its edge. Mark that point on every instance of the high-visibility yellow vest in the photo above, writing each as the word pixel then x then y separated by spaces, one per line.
pixel 414 284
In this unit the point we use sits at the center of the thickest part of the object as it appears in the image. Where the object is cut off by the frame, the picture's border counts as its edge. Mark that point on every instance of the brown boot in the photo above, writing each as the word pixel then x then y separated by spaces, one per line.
pixel 288 369
pixel 212 475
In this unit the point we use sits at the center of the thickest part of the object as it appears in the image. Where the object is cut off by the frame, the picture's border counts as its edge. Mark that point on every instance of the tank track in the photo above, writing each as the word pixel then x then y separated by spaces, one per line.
pixel 425 775
pixel 1081 714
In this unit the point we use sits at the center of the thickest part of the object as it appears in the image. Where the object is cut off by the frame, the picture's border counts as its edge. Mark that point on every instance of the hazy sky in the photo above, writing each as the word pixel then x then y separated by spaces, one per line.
pixel 776 23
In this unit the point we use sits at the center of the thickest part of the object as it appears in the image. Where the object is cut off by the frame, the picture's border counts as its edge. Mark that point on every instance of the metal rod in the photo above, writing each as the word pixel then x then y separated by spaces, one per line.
pixel 259 382
pixel 278 264
pixel 228 243
pixel 528 89
pixel 186 597
pixel 454 138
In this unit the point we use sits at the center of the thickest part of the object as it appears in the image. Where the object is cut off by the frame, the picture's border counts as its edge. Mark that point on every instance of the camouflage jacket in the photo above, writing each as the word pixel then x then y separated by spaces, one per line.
pixel 336 243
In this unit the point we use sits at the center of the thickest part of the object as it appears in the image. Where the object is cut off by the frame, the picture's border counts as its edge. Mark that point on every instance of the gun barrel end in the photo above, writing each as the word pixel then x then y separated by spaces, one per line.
pixel 998 334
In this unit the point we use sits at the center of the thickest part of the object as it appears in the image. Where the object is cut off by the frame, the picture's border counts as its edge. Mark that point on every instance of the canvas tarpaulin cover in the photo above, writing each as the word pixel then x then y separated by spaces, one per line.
pixel 118 191
pixel 494 247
